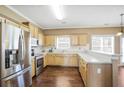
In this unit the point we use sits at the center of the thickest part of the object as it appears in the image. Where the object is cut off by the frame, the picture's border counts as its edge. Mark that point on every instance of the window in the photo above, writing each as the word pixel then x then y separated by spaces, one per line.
pixel 63 42
pixel 103 44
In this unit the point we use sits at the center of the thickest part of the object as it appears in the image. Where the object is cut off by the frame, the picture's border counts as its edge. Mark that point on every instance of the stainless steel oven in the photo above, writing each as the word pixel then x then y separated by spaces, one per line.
pixel 39 64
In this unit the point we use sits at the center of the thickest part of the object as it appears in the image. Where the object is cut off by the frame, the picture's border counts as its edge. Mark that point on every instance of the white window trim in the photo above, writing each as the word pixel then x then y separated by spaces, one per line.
pixel 113 44
pixel 63 48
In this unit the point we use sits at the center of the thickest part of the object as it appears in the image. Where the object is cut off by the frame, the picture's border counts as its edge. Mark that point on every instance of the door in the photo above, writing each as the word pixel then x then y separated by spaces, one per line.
pixel 26 49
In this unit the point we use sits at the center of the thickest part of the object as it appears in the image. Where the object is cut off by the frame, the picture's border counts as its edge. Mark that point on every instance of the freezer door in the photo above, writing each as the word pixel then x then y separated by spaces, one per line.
pixel 26 49
pixel 20 79
pixel 12 37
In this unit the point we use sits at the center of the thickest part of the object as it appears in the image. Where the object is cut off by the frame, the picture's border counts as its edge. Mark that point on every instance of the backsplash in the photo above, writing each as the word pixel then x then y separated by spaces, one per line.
pixel 72 49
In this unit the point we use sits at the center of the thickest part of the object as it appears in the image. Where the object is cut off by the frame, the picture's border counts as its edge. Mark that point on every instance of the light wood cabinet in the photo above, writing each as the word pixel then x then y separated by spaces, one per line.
pixel 61 60
pixel 33 67
pixel 24 28
pixel 36 32
pixel 50 59
pixel 33 30
pixel 74 40
pixel 82 39
pixel 83 70
pixel 50 40
pixel 70 60
pixel 41 38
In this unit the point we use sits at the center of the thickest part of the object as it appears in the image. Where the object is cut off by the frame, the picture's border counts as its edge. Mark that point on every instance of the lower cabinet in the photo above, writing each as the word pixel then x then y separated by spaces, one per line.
pixel 33 67
pixel 95 74
pixel 61 59
pixel 50 59
pixel 83 70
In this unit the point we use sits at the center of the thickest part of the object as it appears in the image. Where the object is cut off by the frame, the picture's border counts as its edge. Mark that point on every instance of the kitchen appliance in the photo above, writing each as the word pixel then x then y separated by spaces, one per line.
pixel 32 52
pixel 39 64
pixel 15 63
pixel 34 42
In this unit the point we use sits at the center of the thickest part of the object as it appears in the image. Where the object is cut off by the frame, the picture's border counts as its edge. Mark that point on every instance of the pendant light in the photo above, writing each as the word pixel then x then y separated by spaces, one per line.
pixel 121 32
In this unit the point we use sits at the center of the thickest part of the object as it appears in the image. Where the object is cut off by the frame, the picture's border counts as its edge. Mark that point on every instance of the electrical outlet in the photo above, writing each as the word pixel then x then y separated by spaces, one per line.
pixel 98 70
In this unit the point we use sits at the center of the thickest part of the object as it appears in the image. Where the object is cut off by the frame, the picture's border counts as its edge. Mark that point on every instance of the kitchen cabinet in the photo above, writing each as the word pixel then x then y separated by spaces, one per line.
pixel 49 40
pixel 33 30
pixel 50 59
pixel 25 28
pixel 61 60
pixel 36 32
pixel 74 40
pixel 83 70
pixel 33 67
pixel 95 74
pixel 70 60
pixel 82 39
pixel 41 38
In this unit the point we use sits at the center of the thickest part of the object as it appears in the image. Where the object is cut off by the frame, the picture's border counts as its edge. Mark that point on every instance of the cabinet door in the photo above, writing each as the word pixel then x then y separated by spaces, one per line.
pixel 36 32
pixel 41 39
pixel 74 61
pixel 49 40
pixel 83 39
pixel 50 59
pixel 70 60
pixel 59 60
pixel 32 30
pixel 74 40
pixel 33 67
pixel 81 69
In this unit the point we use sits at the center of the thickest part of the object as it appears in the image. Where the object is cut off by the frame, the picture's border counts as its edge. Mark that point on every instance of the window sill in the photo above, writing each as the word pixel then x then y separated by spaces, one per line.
pixel 102 52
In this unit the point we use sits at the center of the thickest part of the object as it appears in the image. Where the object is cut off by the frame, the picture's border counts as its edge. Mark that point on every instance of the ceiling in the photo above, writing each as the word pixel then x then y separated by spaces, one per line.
pixel 76 16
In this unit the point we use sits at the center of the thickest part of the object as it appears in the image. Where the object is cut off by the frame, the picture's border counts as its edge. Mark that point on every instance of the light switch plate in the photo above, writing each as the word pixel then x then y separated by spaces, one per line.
pixel 98 70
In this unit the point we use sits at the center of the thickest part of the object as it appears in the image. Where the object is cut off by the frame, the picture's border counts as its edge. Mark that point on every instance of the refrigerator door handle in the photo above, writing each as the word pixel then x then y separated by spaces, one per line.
pixel 23 45
pixel 20 55
pixel 22 48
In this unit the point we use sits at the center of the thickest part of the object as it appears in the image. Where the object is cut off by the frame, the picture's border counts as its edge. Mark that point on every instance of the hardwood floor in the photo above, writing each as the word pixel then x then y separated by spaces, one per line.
pixel 54 76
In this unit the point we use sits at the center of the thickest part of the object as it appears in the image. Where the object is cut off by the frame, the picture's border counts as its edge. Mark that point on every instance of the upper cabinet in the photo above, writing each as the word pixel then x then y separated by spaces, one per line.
pixel 25 28
pixel 79 39
pixel 49 40
pixel 82 39
pixel 74 40
pixel 40 37
pixel 34 31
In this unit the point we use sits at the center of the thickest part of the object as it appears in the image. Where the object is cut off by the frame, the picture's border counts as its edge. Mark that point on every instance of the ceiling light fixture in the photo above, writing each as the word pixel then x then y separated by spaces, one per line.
pixel 121 32
pixel 58 11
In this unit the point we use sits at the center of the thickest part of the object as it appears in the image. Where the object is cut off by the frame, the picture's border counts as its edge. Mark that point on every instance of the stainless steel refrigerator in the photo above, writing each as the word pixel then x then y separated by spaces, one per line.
pixel 15 56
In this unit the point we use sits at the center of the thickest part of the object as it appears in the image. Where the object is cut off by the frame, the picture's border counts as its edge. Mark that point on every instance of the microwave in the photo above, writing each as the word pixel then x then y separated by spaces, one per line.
pixel 34 42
